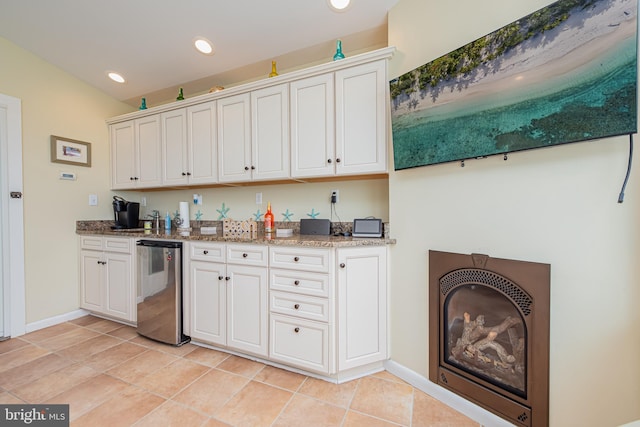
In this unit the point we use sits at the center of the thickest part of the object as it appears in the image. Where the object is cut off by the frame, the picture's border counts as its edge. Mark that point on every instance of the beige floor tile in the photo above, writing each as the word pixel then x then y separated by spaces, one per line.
pixel 89 347
pixel 89 394
pixel 20 356
pixel 241 366
pixel 68 339
pixel 256 405
pixel 171 414
pixel 121 410
pixel 50 332
pixel 33 370
pixel 172 378
pixel 54 383
pixel 113 356
pixel 310 411
pixel 104 326
pixel 280 378
pixel 85 320
pixel 430 412
pixel 8 399
pixel 124 332
pixel 384 399
pixel 12 344
pixel 385 375
pixel 181 351
pixel 336 394
pixel 356 419
pixel 207 356
pixel 215 423
pixel 210 392
pixel 135 369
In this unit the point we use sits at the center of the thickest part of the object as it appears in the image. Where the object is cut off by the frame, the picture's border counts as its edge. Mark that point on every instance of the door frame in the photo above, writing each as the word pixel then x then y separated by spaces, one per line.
pixel 11 220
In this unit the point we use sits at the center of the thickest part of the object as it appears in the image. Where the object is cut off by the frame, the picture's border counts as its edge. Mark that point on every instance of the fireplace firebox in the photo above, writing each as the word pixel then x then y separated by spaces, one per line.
pixel 489 333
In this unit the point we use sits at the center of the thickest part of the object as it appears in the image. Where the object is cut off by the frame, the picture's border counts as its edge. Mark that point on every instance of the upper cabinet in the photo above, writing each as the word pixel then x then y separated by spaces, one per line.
pixel 326 121
pixel 136 153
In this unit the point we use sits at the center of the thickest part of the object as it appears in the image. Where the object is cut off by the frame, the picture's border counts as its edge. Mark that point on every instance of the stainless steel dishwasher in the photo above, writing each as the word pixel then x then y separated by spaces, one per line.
pixel 160 291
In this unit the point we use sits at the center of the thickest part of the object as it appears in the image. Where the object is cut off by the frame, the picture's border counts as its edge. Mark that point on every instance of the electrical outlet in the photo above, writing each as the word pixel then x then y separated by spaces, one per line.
pixel 258 198
pixel 335 196
pixel 143 201
pixel 93 200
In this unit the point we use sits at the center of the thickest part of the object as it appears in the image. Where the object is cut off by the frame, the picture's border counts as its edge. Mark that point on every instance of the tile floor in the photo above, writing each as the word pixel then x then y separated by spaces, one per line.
pixel 110 376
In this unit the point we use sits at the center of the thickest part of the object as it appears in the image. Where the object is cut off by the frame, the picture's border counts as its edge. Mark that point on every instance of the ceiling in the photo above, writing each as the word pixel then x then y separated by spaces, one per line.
pixel 150 42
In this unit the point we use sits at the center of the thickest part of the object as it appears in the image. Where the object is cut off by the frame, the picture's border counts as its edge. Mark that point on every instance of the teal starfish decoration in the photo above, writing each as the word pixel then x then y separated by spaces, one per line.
pixel 287 215
pixel 257 215
pixel 198 215
pixel 223 212
pixel 313 214
pixel 176 214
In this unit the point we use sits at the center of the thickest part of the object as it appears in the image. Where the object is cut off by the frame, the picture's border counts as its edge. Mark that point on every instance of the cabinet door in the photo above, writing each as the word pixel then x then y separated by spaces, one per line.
pixel 300 342
pixel 362 306
pixel 91 280
pixel 312 127
pixel 208 302
pixel 270 133
pixel 234 138
pixel 123 155
pixel 201 135
pixel 119 293
pixel 174 147
pixel 247 309
pixel 148 151
pixel 361 105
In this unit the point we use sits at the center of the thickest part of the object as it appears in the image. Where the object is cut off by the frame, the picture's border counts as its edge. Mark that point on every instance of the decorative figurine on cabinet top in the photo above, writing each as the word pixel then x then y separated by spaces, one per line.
pixel 339 54
pixel 180 95
pixel 273 69
pixel 143 104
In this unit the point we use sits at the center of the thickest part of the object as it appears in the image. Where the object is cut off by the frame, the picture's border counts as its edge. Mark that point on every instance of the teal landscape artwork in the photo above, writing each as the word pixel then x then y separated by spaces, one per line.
pixel 565 73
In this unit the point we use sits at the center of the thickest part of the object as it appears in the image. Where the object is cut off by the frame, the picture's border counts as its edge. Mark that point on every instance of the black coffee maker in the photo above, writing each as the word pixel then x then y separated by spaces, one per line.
pixel 126 214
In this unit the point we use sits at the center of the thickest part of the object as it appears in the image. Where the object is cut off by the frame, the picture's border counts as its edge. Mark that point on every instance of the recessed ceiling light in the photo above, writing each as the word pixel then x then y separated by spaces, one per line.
pixel 339 5
pixel 115 77
pixel 204 46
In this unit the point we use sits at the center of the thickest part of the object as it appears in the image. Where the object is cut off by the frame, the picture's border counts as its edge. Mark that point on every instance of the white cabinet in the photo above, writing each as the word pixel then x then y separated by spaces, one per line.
pixel 136 153
pixel 189 145
pixel 253 135
pixel 107 277
pixel 362 306
pixel 228 292
pixel 338 122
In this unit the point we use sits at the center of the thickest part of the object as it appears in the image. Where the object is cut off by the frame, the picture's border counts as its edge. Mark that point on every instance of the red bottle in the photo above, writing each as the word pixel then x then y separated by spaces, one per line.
pixel 268 220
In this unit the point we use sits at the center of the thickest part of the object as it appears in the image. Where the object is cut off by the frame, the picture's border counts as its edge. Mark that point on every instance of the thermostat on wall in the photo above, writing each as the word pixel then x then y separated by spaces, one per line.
pixel 68 175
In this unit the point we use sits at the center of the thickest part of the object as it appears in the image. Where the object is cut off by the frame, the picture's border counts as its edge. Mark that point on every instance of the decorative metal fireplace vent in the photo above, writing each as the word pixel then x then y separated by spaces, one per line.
pixel 489 333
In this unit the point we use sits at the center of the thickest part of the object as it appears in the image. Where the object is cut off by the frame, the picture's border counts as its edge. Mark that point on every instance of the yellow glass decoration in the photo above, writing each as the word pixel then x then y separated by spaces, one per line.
pixel 273 69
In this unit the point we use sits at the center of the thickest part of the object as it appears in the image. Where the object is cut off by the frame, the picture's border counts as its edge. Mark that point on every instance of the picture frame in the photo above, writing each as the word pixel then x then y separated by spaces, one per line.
pixel 70 151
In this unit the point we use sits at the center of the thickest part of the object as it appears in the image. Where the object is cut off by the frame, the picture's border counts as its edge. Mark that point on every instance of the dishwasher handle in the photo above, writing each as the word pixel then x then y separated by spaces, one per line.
pixel 159 244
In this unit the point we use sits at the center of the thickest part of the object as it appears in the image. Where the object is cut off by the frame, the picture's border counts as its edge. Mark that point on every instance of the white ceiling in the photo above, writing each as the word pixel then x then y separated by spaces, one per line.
pixel 150 42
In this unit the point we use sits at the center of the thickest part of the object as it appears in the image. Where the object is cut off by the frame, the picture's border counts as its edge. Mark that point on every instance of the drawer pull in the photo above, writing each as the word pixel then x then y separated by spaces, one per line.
pixel 245 255
pixel 297 282
pixel 296 259
pixel 297 306
pixel 342 265
pixel 205 252
pixel 296 330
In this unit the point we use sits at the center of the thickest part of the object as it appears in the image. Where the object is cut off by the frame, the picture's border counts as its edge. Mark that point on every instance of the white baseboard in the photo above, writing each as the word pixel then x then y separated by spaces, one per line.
pixel 51 321
pixel 456 402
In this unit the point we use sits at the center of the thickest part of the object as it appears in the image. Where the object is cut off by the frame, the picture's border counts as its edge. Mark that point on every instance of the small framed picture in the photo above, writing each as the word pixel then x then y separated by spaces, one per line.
pixel 70 151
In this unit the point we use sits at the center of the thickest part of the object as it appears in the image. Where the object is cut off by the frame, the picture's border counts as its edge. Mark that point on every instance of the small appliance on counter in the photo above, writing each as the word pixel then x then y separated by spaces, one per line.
pixel 126 214
pixel 367 227
pixel 318 227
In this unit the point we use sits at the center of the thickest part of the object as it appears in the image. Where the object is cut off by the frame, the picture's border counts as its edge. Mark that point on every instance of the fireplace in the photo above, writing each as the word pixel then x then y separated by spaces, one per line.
pixel 489 333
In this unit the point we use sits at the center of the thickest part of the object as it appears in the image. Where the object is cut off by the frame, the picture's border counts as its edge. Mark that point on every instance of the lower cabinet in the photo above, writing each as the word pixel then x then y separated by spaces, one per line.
pixel 107 277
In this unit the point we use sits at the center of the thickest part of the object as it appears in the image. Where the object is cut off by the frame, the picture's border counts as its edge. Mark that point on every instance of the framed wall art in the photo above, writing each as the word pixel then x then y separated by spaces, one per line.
pixel 70 151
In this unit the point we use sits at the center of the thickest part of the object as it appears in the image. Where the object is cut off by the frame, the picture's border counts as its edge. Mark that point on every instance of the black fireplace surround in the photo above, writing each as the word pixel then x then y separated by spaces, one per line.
pixel 489 333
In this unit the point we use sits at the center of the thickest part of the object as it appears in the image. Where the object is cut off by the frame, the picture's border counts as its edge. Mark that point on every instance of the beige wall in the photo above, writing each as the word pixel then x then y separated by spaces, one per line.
pixel 56 103
pixel 556 205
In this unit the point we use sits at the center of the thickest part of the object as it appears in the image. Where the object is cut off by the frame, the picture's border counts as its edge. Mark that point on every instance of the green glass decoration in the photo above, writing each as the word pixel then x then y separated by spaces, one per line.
pixel 273 69
pixel 180 95
pixel 339 54
pixel 143 104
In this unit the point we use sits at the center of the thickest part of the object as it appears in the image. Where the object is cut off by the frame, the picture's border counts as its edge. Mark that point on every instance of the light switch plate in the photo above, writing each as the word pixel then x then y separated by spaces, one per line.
pixel 93 200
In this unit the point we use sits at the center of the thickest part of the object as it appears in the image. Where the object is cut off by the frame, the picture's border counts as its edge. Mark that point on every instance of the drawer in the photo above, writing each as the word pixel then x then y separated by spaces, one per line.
pixel 212 252
pixel 306 259
pixel 301 282
pixel 299 342
pixel 303 306
pixel 114 244
pixel 247 255
pixel 91 243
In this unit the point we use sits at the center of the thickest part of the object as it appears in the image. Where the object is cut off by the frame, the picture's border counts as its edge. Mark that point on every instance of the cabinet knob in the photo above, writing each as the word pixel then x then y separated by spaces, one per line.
pixel 245 255
pixel 342 265
pixel 296 330
pixel 188 173
pixel 205 252
pixel 296 259
pixel 227 278
pixel 253 168
pixel 184 174
pixel 135 178
pixel 246 168
pixel 338 160
pixel 328 160
pixel 297 282
pixel 297 306
pixel 131 178
pixel 220 277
